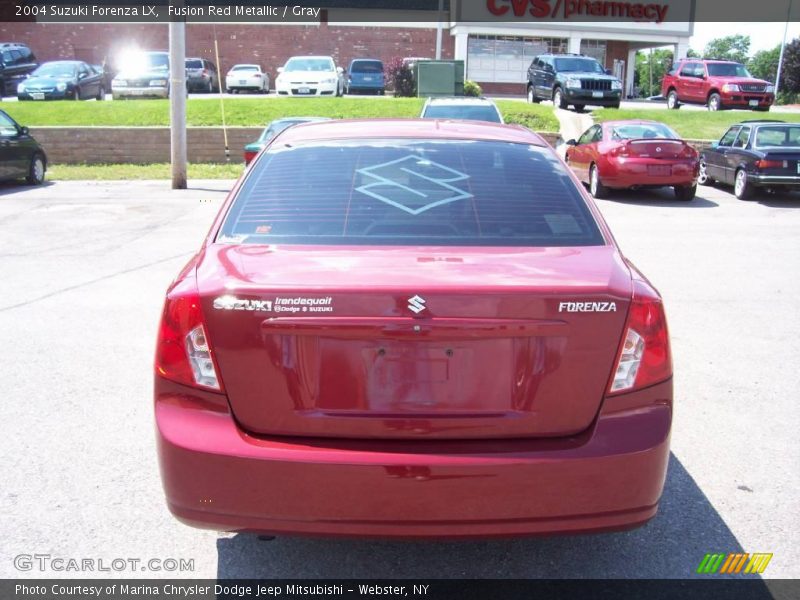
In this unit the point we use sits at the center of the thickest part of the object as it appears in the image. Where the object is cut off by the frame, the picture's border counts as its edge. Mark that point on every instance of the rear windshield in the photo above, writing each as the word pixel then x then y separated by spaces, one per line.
pixel 367 66
pixel 634 131
pixel 779 136
pixel 473 113
pixel 409 193
pixel 194 64
pixel 727 70
pixel 245 68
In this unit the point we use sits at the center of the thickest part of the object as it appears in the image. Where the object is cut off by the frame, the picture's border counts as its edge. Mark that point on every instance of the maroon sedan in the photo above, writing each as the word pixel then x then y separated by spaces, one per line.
pixel 411 328
pixel 634 154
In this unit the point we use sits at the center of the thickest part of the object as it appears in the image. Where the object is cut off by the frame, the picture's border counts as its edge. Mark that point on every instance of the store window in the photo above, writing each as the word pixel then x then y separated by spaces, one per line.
pixel 504 58
pixel 596 49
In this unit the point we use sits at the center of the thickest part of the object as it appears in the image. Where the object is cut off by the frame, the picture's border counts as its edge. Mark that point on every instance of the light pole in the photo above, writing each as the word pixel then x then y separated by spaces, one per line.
pixel 783 47
pixel 177 103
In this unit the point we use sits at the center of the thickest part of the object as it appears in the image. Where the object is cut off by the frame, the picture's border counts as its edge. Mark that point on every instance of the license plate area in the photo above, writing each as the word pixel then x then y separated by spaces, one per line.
pixel 659 170
pixel 37 96
pixel 394 377
pixel 597 94
pixel 753 102
pixel 303 90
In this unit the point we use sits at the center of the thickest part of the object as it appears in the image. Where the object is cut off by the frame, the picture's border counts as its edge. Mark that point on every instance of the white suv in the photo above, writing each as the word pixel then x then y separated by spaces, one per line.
pixel 310 76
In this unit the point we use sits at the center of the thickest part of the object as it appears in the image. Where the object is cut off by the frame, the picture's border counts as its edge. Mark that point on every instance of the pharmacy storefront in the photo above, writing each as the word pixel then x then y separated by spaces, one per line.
pixel 498 50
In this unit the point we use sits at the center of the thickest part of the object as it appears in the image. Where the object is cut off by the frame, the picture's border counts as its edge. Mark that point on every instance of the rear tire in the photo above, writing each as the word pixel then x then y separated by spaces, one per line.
pixel 742 188
pixel 101 93
pixel 714 102
pixel 77 94
pixel 558 99
pixel 596 187
pixel 36 170
pixel 532 99
pixel 685 193
pixel 672 100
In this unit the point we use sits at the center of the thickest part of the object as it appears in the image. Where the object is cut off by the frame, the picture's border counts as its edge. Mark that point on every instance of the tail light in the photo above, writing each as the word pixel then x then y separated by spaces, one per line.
pixel 621 150
pixel 769 164
pixel 183 352
pixel 205 72
pixel 688 152
pixel 248 156
pixel 644 358
pixel 257 75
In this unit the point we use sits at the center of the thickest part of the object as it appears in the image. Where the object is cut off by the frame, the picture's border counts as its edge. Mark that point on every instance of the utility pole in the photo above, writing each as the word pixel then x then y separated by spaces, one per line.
pixel 439 32
pixel 783 47
pixel 177 103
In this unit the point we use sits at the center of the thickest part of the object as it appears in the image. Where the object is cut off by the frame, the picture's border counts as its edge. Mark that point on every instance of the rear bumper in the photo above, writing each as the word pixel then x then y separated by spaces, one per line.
pixel 625 173
pixel 217 476
pixel 791 180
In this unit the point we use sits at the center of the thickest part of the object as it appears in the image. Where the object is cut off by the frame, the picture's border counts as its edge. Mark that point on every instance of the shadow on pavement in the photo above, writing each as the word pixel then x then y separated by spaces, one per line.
pixel 670 546
pixel 13 187
pixel 660 197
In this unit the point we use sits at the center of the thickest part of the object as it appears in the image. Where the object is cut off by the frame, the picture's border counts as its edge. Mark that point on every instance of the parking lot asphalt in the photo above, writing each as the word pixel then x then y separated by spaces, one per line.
pixel 84 267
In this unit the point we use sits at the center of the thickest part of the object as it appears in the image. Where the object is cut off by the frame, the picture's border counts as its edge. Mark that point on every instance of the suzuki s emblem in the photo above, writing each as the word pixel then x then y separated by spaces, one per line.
pixel 658 148
pixel 416 304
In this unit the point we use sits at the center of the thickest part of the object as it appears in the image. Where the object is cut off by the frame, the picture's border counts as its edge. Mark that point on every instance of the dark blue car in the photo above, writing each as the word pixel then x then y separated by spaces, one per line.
pixel 366 75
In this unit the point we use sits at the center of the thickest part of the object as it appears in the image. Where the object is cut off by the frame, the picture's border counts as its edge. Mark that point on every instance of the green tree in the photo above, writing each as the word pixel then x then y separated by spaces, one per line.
pixel 790 73
pixel 731 47
pixel 661 63
pixel 693 54
pixel 764 63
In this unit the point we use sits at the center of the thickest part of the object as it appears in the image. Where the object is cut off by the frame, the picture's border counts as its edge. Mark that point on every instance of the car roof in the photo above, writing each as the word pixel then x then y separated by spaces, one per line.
pixel 303 56
pixel 62 62
pixel 764 122
pixel 366 60
pixel 633 122
pixel 245 65
pixel 299 120
pixel 355 129
pixel 460 100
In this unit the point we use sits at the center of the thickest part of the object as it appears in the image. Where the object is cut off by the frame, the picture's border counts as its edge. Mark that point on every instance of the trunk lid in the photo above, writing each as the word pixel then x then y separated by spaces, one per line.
pixel 659 148
pixel 411 342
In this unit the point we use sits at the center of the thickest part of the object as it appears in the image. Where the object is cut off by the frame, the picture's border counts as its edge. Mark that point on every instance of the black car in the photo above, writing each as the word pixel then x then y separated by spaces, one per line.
pixel 572 79
pixel 63 79
pixel 754 154
pixel 21 156
pixel 16 63
pixel 201 75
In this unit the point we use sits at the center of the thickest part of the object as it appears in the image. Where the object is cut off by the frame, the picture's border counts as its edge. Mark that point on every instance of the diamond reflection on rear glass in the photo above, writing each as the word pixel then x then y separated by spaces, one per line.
pixel 412 184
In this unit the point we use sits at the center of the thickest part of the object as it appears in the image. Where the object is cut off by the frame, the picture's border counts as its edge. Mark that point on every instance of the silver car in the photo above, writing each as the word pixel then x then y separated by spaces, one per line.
pixel 142 75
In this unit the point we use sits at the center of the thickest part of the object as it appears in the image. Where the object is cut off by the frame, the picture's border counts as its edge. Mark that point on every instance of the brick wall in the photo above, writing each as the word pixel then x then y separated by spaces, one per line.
pixel 92 145
pixel 97 145
pixel 269 45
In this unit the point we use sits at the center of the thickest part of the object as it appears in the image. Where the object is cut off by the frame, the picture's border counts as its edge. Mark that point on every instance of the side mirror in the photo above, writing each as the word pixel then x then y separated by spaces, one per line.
pixel 24 131
pixel 714 145
pixel 571 143
pixel 280 69
pixel 339 70
pixel 609 71
pixel 82 75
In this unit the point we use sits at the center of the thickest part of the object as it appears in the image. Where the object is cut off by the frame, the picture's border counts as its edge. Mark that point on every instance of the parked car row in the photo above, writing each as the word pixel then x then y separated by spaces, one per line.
pixel 146 75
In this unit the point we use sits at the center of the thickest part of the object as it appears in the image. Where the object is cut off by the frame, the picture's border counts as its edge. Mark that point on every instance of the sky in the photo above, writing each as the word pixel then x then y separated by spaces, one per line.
pixel 763 36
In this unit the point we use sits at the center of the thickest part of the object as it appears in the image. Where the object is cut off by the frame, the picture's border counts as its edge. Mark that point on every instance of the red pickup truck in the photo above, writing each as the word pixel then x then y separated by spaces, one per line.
pixel 718 84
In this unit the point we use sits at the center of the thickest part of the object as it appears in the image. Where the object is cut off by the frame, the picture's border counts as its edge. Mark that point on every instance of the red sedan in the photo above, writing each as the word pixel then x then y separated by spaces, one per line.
pixel 412 328
pixel 633 154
